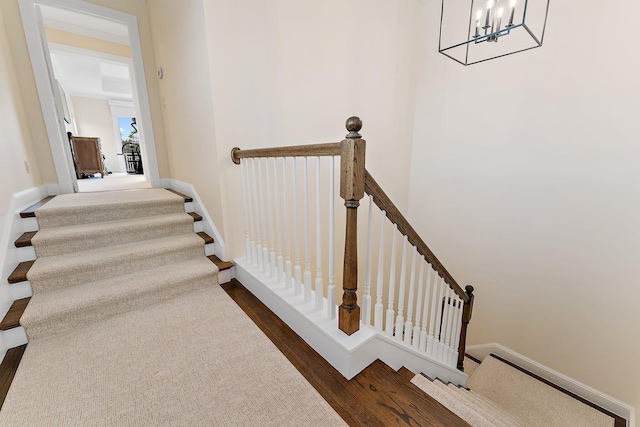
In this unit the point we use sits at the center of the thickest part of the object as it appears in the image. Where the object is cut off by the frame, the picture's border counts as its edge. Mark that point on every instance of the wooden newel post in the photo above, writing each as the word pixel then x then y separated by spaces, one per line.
pixel 351 190
pixel 466 318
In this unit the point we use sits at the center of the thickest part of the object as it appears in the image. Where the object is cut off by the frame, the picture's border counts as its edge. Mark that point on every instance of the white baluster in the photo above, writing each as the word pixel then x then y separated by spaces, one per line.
pixel 280 260
pixel 456 331
pixel 263 215
pixel 247 208
pixel 425 312
pixel 366 299
pixel 297 270
pixel 287 245
pixel 447 332
pixel 434 327
pixel 408 326
pixel 307 249
pixel 319 286
pixel 403 278
pixel 272 252
pixel 256 205
pixel 392 283
pixel 377 318
pixel 331 290
pixel 416 327
pixel 440 330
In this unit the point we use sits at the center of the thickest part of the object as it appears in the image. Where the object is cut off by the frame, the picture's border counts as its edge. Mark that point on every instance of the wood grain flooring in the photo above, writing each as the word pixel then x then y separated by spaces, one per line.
pixel 8 369
pixel 378 396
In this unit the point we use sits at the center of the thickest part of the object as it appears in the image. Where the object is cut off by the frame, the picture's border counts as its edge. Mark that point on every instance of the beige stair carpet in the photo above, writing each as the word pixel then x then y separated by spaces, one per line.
pixel 530 400
pixel 129 327
pixel 476 416
pixel 194 360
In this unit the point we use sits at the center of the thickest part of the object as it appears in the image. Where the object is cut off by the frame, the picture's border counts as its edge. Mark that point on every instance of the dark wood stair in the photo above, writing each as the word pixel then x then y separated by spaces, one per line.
pixel 25 240
pixel 30 212
pixel 207 239
pixel 8 369
pixel 12 318
pixel 19 274
pixel 222 265
pixel 184 196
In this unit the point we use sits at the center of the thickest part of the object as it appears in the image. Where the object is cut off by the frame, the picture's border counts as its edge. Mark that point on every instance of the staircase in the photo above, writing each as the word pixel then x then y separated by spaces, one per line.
pixel 117 254
pixel 500 394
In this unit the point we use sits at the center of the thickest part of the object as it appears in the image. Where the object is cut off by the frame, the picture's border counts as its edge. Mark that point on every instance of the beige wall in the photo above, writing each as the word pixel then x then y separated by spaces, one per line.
pixel 20 55
pixel 524 182
pixel 93 119
pixel 90 43
pixel 288 72
pixel 16 143
pixel 181 51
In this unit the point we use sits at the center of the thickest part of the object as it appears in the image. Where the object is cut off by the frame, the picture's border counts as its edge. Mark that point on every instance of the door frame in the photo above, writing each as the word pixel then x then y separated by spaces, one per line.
pixel 59 146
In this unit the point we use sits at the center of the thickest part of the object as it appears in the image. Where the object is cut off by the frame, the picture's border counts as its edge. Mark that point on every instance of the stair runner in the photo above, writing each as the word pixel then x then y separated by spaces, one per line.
pixel 139 258
pixel 502 396
pixel 127 326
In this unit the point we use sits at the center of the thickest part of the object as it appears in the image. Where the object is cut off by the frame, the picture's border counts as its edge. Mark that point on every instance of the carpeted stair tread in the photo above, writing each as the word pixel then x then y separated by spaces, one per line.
pixel 68 239
pixel 84 208
pixel 69 308
pixel 196 360
pixel 493 413
pixel 530 400
pixel 60 271
pixel 489 405
pixel 448 399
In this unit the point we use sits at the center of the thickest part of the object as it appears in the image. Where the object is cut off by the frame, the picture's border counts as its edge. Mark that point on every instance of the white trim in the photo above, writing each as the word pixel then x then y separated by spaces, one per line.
pixel 349 355
pixel 208 225
pixel 13 227
pixel 45 91
pixel 84 31
pixel 592 395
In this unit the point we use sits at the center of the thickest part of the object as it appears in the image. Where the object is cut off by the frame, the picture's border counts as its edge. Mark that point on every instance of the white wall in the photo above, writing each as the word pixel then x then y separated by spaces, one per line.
pixel 291 72
pixel 19 168
pixel 93 119
pixel 524 181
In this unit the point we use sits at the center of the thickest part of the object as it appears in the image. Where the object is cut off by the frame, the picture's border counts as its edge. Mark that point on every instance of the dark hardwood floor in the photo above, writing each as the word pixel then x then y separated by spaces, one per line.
pixel 378 396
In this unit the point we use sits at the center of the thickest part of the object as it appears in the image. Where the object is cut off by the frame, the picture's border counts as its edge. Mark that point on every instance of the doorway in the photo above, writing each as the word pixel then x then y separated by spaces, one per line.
pixel 87 61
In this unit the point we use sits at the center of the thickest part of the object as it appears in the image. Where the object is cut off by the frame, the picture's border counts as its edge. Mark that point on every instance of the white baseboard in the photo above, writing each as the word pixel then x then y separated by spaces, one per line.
pixel 349 355
pixel 603 400
pixel 10 256
pixel 208 225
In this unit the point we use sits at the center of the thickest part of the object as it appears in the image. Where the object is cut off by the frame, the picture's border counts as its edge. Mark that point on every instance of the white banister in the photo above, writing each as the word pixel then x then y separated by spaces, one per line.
pixel 280 260
pixel 377 318
pixel 416 328
pixel 403 278
pixel 265 250
pixel 288 272
pixel 247 225
pixel 297 270
pixel 319 286
pixel 272 252
pixel 425 312
pixel 366 298
pixel 331 290
pixel 307 250
pixel 392 283
pixel 408 326
pixel 256 205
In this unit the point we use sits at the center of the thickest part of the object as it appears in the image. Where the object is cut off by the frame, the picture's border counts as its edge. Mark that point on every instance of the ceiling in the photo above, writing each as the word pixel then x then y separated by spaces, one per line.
pixel 89 73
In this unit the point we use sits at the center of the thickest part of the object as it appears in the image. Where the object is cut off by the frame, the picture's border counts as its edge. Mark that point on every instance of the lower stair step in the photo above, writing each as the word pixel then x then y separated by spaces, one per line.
pixel 12 318
pixel 19 274
pixel 207 239
pixel 222 265
pixel 72 307
pixel 8 369
pixel 61 271
pixel 25 240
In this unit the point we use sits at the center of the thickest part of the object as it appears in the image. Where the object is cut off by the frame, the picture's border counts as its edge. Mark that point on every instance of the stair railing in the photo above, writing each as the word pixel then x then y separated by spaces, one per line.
pixel 278 217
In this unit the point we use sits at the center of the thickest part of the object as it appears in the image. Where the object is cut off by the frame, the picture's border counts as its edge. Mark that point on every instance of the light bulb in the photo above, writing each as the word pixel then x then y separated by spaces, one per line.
pixel 513 3
pixel 479 15
pixel 489 4
pixel 500 12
